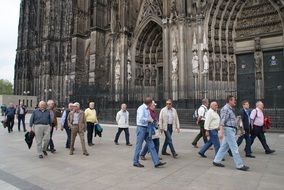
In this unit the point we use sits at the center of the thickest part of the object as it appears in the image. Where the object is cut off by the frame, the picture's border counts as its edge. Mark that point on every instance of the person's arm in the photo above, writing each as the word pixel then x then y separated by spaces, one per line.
pixel 32 120
pixel 96 117
pixel 141 116
pixel 117 117
pixel 161 120
pixel 207 120
pixel 69 120
pixel 252 116
pixel 177 121
pixel 62 120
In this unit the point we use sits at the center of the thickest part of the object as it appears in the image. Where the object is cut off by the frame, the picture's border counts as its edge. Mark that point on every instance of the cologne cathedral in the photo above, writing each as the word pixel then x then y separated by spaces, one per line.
pixel 124 50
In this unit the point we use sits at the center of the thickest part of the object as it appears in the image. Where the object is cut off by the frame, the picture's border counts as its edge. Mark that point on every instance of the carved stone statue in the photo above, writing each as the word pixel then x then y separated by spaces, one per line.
pixel 153 76
pixel 147 76
pixel 224 68
pixel 258 65
pixel 232 68
pixel 129 73
pixel 175 63
pixel 117 72
pixel 195 65
pixel 217 68
pixel 206 63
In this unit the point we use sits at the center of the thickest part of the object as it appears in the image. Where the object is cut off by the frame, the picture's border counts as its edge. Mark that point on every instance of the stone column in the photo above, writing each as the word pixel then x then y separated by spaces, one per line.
pixel 166 53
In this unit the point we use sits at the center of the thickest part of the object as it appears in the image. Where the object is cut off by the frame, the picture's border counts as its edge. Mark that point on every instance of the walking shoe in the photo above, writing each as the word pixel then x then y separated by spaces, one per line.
pixel 128 144
pixel 71 153
pixel 138 165
pixel 52 151
pixel 166 154
pixel 143 158
pixel 160 164
pixel 250 156
pixel 218 164
pixel 244 168
pixel 40 156
pixel 202 155
pixel 116 143
pixel 175 155
pixel 86 153
pixel 160 158
pixel 45 153
pixel 25 130
pixel 90 144
pixel 269 151
pixel 194 145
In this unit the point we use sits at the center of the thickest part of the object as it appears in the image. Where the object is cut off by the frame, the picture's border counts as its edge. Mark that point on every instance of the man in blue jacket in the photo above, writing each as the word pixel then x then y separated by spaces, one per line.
pixel 10 114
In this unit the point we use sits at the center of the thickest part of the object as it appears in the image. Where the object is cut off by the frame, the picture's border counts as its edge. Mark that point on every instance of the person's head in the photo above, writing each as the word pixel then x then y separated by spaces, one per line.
pixel 214 106
pixel 50 104
pixel 259 105
pixel 70 106
pixel 169 103
pixel 153 105
pixel 231 100
pixel 76 106
pixel 42 105
pixel 245 104
pixel 92 105
pixel 21 104
pixel 205 102
pixel 11 105
pixel 123 107
pixel 148 101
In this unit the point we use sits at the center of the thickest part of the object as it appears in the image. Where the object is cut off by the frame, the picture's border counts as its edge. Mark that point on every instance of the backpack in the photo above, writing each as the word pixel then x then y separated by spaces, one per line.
pixel 195 114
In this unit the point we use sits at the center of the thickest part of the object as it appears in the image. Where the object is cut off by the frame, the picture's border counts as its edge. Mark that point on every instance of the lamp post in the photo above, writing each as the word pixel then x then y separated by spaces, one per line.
pixel 26 93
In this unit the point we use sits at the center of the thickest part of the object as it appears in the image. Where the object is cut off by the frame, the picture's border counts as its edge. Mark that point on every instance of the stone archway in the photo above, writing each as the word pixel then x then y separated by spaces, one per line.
pixel 148 58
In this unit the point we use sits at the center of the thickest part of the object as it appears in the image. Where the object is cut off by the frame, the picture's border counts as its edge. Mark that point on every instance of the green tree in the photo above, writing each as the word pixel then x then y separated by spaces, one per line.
pixel 6 87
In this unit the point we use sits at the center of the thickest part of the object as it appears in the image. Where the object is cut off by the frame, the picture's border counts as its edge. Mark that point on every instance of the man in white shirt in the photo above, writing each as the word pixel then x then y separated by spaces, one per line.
pixel 211 127
pixel 200 121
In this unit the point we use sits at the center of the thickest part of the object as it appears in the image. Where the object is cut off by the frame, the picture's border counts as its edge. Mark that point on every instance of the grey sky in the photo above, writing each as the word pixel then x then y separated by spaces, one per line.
pixel 9 18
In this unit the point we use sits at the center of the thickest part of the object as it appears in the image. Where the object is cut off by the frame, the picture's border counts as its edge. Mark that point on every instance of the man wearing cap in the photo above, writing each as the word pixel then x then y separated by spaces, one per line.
pixel 77 123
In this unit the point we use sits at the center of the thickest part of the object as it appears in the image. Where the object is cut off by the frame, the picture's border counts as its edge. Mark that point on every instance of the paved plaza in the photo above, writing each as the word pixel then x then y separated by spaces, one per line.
pixel 110 167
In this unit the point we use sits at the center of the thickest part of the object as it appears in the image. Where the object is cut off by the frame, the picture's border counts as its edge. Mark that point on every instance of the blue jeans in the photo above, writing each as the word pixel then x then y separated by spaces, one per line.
pixel 214 140
pixel 142 134
pixel 168 140
pixel 157 145
pixel 229 142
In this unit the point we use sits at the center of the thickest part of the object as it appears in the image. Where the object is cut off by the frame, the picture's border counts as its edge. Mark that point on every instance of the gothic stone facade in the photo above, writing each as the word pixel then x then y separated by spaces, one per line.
pixel 123 50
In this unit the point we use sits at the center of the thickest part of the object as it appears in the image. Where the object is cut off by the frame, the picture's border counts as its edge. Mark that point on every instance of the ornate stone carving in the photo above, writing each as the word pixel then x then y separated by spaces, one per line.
pixel 205 63
pixel 147 76
pixel 151 7
pixel 153 75
pixel 195 64
pixel 217 67
pixel 174 65
pixel 232 68
pixel 258 65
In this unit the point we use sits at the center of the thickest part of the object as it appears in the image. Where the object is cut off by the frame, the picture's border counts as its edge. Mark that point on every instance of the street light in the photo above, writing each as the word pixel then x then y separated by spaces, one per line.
pixel 26 93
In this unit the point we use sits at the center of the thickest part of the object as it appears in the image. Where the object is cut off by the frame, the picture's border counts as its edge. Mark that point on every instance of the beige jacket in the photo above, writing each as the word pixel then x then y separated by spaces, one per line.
pixel 163 119
pixel 82 120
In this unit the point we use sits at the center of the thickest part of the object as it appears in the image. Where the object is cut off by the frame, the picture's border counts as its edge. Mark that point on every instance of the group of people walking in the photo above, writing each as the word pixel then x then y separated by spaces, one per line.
pixel 217 130
pixel 224 128
pixel 74 121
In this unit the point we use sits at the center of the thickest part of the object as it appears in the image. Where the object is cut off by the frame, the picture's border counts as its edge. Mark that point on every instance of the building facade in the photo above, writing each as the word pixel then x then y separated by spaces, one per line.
pixel 124 50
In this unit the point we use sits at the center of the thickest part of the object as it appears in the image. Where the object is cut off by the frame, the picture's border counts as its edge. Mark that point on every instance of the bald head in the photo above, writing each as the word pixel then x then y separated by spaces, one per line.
pixel 50 104
pixel 70 106
pixel 259 105
pixel 42 105
pixel 214 106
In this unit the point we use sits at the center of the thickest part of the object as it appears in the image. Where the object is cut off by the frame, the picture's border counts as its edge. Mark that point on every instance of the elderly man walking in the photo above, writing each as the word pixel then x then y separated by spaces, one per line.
pixel 10 116
pixel 64 124
pixel 51 108
pixel 122 119
pixel 143 119
pixel 77 123
pixel 168 121
pixel 91 117
pixel 257 120
pixel 21 114
pixel 211 126
pixel 40 124
pixel 200 122
pixel 228 127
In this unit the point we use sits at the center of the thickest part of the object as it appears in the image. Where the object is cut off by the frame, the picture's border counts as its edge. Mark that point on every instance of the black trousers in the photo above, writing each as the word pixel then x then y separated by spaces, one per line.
pixel 200 134
pixel 257 131
pixel 90 131
pixel 247 138
pixel 126 131
pixel 10 122
pixel 68 141
pixel 51 144
pixel 21 118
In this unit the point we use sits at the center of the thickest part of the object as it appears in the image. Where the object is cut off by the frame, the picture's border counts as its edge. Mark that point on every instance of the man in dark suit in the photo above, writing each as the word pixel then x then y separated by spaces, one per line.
pixel 245 114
